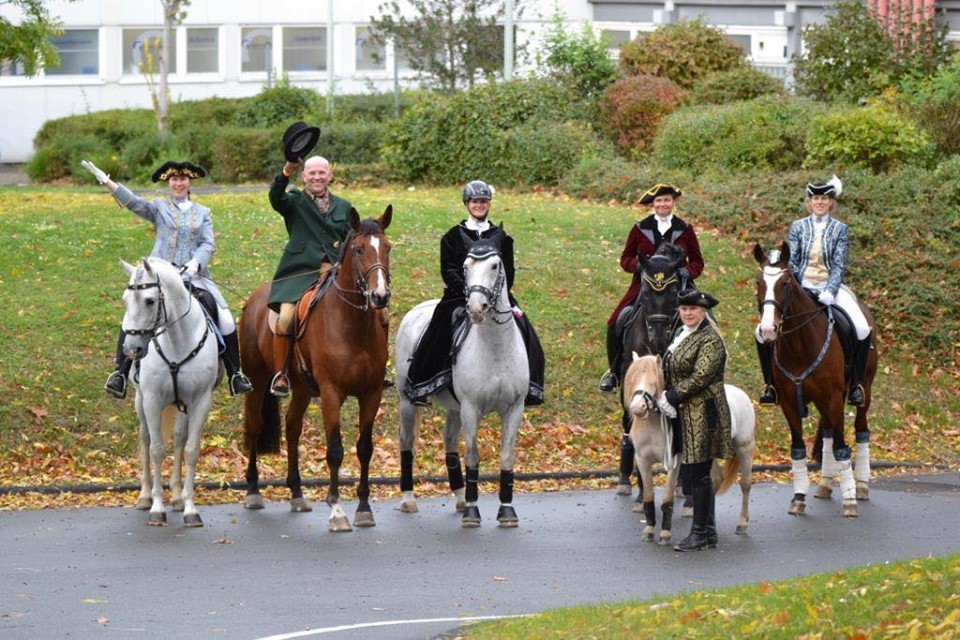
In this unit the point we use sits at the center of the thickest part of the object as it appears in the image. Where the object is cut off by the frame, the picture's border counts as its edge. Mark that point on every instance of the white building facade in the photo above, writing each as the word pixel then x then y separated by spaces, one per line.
pixel 233 48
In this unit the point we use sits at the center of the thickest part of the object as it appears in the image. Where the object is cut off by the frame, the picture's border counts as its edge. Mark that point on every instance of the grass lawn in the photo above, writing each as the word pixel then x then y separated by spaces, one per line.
pixel 60 288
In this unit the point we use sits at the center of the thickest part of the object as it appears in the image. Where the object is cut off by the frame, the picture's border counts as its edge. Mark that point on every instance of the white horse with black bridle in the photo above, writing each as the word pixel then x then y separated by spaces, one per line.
pixel 170 337
pixel 652 441
pixel 490 374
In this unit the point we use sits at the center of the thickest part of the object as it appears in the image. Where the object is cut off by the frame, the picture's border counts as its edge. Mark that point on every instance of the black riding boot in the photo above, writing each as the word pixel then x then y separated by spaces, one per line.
pixel 627 459
pixel 860 354
pixel 238 382
pixel 702 501
pixel 610 380
pixel 765 351
pixel 116 384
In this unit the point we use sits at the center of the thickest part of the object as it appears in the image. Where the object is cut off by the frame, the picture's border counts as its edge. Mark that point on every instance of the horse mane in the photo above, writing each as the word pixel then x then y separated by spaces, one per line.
pixel 640 366
pixel 670 251
pixel 367 227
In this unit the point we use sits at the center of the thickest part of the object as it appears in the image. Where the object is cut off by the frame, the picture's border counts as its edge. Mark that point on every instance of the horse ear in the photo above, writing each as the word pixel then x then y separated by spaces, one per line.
pixel 354 219
pixel 785 253
pixel 129 268
pixel 386 217
pixel 146 265
pixel 635 356
pixel 758 253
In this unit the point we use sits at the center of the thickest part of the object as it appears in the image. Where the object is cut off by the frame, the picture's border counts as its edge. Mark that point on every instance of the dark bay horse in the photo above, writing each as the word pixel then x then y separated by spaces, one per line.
pixel 809 367
pixel 649 332
pixel 340 351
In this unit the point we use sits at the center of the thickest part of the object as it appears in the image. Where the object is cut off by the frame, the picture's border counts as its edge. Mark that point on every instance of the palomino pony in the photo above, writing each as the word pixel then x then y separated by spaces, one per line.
pixel 340 351
pixel 170 336
pixel 809 367
pixel 652 439
pixel 651 330
pixel 490 374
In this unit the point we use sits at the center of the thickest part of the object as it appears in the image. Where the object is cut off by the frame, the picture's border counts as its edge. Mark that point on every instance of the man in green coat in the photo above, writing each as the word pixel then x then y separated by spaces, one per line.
pixel 317 222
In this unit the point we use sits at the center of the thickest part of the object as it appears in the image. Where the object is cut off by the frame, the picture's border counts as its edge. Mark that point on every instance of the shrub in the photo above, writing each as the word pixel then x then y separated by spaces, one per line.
pixel 607 177
pixel 683 51
pixel 873 137
pixel 743 83
pixel 579 59
pixel 539 153
pixel 355 143
pixel 935 104
pixel 766 133
pixel 450 139
pixel 242 154
pixel 276 105
pixel 632 107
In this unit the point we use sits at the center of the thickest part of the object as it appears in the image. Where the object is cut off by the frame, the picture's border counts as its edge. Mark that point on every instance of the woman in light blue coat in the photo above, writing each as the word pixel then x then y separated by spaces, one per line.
pixel 184 238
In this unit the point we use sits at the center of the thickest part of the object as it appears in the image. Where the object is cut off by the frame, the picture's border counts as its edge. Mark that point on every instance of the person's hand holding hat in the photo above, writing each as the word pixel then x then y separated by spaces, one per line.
pixel 291 167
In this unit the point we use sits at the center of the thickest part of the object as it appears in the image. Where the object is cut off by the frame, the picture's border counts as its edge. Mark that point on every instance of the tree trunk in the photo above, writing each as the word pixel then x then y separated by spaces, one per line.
pixel 163 105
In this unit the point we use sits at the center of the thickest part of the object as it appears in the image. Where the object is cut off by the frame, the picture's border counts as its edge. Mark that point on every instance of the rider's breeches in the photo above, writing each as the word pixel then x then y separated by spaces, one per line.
pixel 225 321
pixel 848 302
pixel 288 311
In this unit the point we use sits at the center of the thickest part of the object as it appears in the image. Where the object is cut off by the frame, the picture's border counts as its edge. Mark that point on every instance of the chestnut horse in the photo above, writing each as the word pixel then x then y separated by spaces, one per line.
pixel 809 367
pixel 340 350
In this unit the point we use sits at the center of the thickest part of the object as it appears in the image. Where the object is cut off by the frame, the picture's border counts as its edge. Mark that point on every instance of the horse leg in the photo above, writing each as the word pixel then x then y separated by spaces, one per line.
pixel 294 428
pixel 627 463
pixel 330 404
pixel 471 512
pixel 746 483
pixel 191 452
pixel 179 441
pixel 146 482
pixel 410 416
pixel 367 413
pixel 509 426
pixel 451 447
pixel 157 516
pixel 861 472
pixel 829 469
pixel 666 505
pixel 647 493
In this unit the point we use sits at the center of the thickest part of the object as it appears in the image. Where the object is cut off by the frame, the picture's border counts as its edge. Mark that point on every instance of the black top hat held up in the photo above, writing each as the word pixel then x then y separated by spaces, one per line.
pixel 298 140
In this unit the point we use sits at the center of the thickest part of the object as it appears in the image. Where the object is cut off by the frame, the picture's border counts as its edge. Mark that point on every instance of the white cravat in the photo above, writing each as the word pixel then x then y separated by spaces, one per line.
pixel 684 332
pixel 479 227
pixel 664 224
pixel 819 224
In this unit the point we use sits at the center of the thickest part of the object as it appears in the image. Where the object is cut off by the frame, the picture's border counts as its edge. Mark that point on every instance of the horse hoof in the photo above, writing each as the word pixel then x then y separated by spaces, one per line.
pixel 741 530
pixel 824 492
pixel 177 505
pixel 624 489
pixel 253 501
pixel 507 517
pixel 192 520
pixel 157 519
pixel 364 519
pixel 300 505
pixel 863 491
pixel 797 508
pixel 144 504
pixel 850 510
pixel 665 539
pixel 461 505
pixel 409 507
pixel 637 507
pixel 471 517
pixel 339 525
pixel 686 512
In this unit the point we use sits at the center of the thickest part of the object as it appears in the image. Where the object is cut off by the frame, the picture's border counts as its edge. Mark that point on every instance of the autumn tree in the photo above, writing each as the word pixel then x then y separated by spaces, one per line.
pixel 446 41
pixel 174 11
pixel 27 43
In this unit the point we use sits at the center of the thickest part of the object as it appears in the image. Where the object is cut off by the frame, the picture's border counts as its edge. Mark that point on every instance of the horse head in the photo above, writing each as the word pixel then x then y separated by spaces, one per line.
pixel 775 286
pixel 368 250
pixel 642 384
pixel 659 290
pixel 485 279
pixel 155 297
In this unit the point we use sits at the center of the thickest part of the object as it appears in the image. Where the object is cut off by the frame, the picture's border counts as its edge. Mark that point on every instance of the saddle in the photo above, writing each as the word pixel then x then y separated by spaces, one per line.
pixel 461 328
pixel 305 304
pixel 843 327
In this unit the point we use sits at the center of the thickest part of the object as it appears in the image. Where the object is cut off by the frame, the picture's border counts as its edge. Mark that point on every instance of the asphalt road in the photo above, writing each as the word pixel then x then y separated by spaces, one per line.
pixel 102 573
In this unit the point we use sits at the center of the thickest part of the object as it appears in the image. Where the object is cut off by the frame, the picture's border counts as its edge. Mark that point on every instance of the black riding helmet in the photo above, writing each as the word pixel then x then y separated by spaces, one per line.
pixel 477 190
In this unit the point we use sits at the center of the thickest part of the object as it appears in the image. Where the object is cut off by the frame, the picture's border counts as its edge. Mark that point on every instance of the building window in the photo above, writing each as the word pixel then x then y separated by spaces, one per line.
pixel 79 53
pixel 370 56
pixel 203 50
pixel 10 68
pixel 256 49
pixel 141 51
pixel 304 49
pixel 614 39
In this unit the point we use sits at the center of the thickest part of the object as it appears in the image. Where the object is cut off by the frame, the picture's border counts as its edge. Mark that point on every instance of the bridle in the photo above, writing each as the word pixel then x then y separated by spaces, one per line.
pixel 492 295
pixel 658 324
pixel 361 277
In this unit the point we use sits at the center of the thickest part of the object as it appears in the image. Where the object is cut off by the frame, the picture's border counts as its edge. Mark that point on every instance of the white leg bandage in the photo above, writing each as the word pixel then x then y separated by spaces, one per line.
pixel 801 481
pixel 848 488
pixel 829 468
pixel 862 469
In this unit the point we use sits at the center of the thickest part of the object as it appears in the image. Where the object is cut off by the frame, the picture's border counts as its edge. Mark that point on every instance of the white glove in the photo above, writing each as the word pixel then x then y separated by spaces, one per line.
pixel 826 298
pixel 191 269
pixel 517 312
pixel 666 408
pixel 98 173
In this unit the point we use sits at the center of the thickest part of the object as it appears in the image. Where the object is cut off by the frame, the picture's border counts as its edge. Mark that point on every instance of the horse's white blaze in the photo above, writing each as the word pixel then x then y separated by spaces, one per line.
pixel 768 329
pixel 380 278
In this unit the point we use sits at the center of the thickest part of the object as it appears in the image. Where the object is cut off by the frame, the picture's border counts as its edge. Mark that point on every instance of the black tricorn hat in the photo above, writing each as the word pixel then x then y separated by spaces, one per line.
pixel 298 140
pixel 660 189
pixel 171 168
pixel 693 297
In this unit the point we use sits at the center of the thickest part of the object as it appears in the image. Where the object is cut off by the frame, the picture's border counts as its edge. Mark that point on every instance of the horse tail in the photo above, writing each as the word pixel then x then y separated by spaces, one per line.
pixel 730 469
pixel 269 440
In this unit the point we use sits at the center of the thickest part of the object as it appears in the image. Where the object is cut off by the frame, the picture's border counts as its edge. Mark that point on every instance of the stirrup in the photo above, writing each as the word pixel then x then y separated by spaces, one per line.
pixel 280 385
pixel 769 396
pixel 116 385
pixel 856 397
pixel 608 382
pixel 239 384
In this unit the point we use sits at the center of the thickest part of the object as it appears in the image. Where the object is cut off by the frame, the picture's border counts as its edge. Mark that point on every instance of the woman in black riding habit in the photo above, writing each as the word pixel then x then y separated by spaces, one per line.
pixel 430 370
pixel 694 368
